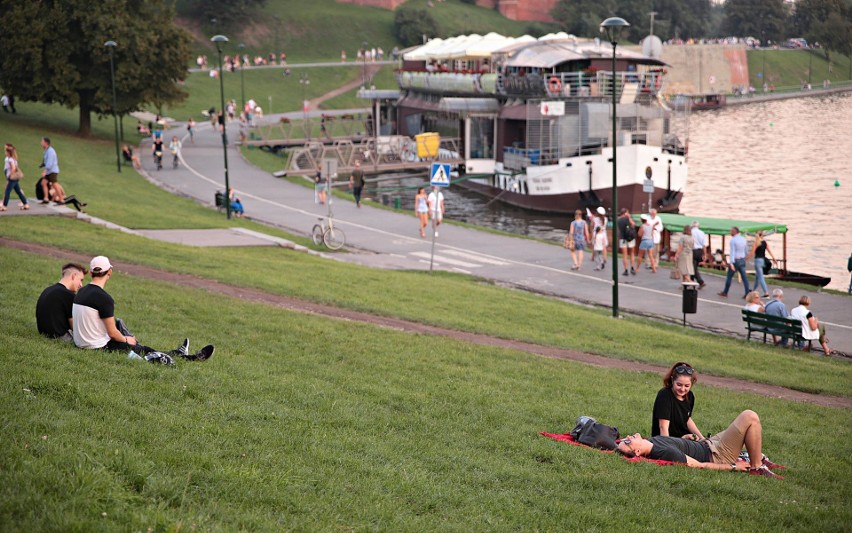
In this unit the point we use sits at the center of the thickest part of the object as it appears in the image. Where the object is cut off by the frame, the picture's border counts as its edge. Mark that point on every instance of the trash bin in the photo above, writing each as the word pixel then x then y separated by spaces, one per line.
pixel 690 297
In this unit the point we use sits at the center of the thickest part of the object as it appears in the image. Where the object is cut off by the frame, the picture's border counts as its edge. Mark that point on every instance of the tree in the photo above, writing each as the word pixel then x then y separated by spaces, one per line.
pixel 764 19
pixel 583 17
pixel 410 24
pixel 60 56
pixel 227 13
pixel 828 22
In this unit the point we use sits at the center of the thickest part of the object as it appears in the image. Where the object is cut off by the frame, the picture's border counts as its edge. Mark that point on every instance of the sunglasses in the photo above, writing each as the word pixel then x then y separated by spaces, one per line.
pixel 682 369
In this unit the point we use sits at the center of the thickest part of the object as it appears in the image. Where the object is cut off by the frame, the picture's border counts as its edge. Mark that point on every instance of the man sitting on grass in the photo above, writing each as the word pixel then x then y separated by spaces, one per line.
pixel 719 452
pixel 95 325
pixel 53 309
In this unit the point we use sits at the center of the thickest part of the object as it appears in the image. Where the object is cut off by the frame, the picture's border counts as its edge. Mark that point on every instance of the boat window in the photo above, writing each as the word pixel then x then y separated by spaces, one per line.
pixel 481 141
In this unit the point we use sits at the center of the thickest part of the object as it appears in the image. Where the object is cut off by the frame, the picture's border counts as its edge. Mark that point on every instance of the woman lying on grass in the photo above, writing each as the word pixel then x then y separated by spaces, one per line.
pixel 719 452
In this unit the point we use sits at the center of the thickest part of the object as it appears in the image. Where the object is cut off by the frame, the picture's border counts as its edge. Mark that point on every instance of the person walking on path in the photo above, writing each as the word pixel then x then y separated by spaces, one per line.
pixel 736 261
pixel 849 268
pixel 699 244
pixel 683 256
pixel 421 208
pixel 95 325
pixel 599 248
pixel 646 243
pixel 53 308
pixel 436 207
pixel 598 220
pixel 627 240
pixel 579 232
pixel 759 251
pixel 657 228
pixel 356 183
pixel 51 172
pixel 190 128
pixel 13 178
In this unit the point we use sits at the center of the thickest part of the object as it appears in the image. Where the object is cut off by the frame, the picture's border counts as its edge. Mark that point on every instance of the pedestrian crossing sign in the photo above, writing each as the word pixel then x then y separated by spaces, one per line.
pixel 440 174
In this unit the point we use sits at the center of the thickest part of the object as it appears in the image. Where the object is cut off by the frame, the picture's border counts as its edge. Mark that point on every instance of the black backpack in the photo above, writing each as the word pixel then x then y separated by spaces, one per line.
pixel 629 232
pixel 592 433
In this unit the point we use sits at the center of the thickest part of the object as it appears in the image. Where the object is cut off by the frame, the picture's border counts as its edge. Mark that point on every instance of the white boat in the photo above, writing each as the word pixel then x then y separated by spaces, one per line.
pixel 534 119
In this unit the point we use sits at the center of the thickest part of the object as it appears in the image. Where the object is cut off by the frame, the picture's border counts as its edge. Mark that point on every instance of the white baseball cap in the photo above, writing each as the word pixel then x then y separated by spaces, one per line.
pixel 100 264
pixel 601 210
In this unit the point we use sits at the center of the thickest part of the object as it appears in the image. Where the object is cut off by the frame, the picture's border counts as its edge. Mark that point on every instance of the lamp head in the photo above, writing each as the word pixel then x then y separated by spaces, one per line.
pixel 111 44
pixel 219 40
pixel 613 27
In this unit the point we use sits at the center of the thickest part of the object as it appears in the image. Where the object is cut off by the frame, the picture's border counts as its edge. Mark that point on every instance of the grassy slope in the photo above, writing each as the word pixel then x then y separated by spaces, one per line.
pixel 788 68
pixel 302 422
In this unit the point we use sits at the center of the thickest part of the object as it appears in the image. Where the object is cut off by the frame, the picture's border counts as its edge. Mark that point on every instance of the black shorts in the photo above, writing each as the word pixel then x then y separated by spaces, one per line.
pixel 53 177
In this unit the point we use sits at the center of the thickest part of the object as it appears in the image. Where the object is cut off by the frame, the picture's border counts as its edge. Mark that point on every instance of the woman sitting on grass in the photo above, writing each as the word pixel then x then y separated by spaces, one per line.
pixel 675 403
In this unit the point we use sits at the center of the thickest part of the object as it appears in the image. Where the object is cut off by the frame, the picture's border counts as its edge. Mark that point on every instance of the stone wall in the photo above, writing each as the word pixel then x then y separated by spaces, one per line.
pixel 699 69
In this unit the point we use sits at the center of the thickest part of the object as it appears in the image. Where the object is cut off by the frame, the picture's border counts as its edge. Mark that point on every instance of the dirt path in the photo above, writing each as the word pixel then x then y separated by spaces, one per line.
pixel 295 304
pixel 313 105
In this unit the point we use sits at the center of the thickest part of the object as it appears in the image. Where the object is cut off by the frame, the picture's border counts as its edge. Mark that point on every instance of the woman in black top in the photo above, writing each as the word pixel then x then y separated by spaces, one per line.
pixel 759 251
pixel 674 404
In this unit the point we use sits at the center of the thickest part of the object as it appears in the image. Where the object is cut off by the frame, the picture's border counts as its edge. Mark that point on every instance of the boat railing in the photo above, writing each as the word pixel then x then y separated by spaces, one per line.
pixel 628 85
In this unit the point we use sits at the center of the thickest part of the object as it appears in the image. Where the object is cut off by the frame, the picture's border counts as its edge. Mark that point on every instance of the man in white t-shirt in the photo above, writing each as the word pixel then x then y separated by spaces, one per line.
pixel 436 207
pixel 95 325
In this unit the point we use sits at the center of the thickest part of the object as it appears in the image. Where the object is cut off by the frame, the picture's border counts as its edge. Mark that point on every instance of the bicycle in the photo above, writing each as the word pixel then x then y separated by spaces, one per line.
pixel 332 237
pixel 175 159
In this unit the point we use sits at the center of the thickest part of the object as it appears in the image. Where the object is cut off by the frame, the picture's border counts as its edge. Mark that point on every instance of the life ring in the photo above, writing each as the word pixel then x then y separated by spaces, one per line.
pixel 554 85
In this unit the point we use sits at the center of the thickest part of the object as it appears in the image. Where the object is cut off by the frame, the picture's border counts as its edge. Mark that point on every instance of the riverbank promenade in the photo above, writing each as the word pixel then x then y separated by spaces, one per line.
pixel 386 239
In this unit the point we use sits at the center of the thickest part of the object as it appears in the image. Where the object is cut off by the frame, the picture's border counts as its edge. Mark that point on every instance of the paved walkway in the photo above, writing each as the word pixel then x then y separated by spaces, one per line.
pixel 385 239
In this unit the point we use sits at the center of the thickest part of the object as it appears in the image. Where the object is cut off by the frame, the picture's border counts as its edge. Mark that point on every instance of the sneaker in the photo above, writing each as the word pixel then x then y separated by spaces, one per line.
pixel 723 294
pixel 202 354
pixel 772 466
pixel 183 349
pixel 762 470
pixel 702 285
pixel 626 272
pixel 633 271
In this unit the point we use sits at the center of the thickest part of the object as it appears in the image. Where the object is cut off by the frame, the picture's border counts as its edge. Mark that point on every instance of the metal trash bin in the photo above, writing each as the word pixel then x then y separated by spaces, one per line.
pixel 690 298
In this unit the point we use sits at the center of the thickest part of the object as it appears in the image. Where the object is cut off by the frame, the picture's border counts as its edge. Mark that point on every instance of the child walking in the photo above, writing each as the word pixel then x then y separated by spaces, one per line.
pixel 599 248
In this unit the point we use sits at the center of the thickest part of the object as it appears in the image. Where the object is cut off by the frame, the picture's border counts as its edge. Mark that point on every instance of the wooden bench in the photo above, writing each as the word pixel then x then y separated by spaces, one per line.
pixel 774 325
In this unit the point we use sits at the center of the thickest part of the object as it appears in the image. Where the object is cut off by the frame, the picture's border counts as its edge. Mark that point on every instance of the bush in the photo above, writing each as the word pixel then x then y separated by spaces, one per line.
pixel 411 24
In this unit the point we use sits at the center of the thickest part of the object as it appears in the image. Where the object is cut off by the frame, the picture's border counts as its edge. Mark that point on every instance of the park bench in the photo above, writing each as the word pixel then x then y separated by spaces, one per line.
pixel 774 325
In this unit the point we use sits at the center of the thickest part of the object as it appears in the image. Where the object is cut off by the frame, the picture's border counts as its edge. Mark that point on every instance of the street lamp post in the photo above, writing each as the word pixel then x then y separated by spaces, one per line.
pixel 242 47
pixel 220 40
pixel 111 48
pixel 364 68
pixel 613 27
pixel 304 81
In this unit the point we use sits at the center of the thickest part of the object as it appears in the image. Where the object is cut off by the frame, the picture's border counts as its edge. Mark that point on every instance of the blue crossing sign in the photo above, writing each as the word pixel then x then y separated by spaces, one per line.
pixel 440 174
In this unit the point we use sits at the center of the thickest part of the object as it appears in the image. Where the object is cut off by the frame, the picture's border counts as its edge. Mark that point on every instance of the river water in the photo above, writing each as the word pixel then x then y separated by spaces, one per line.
pixel 772 161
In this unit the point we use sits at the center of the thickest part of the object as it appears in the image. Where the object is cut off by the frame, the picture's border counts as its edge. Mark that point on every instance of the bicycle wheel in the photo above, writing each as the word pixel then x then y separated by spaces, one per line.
pixel 334 238
pixel 316 234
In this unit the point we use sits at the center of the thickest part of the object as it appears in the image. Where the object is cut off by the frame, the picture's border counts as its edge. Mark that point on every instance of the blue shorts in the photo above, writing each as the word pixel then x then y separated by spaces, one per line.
pixel 646 244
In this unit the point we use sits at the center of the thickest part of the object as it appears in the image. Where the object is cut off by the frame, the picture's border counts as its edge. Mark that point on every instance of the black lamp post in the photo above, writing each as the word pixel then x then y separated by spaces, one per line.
pixel 220 40
pixel 111 48
pixel 304 81
pixel 242 47
pixel 613 27
pixel 364 68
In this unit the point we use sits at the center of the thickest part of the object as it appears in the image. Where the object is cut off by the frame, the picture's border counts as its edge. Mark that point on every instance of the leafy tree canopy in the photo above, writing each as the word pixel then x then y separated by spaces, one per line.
pixel 762 19
pixel 410 24
pixel 59 55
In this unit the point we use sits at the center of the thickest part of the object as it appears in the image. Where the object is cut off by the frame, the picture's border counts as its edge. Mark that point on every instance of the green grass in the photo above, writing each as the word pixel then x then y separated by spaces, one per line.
pixel 308 423
pixel 789 68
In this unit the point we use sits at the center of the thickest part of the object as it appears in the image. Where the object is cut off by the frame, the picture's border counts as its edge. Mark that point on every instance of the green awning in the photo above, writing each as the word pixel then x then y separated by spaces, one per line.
pixel 717 226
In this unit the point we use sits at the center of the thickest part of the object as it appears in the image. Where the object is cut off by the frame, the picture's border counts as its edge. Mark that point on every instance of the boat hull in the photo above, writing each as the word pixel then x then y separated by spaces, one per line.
pixel 630 196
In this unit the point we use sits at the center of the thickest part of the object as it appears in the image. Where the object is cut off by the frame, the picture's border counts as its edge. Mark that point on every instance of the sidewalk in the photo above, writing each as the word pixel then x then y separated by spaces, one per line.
pixel 384 239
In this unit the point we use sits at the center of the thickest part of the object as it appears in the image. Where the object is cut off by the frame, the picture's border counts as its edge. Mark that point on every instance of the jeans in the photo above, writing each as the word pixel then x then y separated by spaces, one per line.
pixel 758 274
pixel 356 192
pixel 739 266
pixel 16 186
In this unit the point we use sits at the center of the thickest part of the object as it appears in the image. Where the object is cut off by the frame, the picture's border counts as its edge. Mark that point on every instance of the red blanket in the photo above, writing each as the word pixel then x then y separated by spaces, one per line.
pixel 566 437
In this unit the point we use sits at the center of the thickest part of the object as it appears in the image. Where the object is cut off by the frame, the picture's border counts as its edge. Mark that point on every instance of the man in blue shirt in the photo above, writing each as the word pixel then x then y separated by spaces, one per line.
pixel 736 258
pixel 776 307
pixel 50 174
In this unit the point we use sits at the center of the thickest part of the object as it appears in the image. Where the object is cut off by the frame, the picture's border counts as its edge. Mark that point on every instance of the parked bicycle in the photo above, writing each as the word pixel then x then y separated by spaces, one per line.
pixel 326 233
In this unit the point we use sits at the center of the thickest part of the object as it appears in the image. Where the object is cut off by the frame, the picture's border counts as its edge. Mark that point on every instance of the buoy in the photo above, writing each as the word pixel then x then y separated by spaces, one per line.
pixel 771 124
pixel 837 183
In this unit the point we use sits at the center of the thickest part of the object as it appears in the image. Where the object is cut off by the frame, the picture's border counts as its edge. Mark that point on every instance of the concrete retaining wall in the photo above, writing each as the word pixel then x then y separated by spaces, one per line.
pixel 705 68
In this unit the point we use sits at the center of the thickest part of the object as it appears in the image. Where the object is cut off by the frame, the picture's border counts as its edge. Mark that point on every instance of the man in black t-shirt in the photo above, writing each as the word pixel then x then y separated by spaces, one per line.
pixel 95 325
pixel 719 452
pixel 53 309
